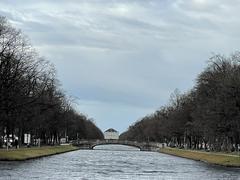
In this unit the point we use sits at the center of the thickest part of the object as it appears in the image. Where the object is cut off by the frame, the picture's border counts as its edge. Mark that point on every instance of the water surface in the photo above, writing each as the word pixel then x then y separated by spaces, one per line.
pixel 114 162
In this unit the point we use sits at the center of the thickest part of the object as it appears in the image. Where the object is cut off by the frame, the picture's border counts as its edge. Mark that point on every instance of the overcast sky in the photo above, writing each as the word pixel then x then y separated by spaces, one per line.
pixel 123 58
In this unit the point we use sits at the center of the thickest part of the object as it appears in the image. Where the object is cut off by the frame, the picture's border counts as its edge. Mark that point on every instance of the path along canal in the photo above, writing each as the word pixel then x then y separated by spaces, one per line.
pixel 114 162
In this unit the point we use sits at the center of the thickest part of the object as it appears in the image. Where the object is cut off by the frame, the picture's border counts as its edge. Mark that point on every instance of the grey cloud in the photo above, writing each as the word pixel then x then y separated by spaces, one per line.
pixel 127 54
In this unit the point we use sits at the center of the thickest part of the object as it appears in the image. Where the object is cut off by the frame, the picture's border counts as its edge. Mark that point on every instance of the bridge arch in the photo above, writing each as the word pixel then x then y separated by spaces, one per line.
pixel 112 143
pixel 143 146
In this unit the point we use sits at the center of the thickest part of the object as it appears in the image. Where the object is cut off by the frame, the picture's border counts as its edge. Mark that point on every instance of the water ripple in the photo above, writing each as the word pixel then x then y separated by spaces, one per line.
pixel 108 165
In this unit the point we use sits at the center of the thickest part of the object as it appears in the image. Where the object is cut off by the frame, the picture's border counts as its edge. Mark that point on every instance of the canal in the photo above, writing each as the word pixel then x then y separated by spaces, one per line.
pixel 114 162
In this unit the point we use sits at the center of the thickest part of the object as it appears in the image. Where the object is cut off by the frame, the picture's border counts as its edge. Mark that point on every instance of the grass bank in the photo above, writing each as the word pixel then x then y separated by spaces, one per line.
pixel 222 159
pixel 32 153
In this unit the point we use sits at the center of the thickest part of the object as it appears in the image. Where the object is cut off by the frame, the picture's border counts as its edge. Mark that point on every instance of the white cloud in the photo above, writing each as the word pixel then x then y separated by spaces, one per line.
pixel 129 55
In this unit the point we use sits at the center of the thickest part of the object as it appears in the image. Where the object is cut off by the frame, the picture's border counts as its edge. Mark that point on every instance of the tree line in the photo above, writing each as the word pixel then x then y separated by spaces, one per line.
pixel 207 117
pixel 31 99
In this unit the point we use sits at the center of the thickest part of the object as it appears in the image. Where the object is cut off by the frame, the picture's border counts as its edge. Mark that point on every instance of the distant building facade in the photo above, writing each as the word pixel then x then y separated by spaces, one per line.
pixel 111 134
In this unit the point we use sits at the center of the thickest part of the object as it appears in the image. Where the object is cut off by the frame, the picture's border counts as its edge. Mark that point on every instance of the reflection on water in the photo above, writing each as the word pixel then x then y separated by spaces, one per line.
pixel 106 164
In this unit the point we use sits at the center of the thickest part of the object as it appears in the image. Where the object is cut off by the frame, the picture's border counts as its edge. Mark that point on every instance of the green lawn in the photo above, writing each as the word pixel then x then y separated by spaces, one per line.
pixel 30 153
pixel 209 157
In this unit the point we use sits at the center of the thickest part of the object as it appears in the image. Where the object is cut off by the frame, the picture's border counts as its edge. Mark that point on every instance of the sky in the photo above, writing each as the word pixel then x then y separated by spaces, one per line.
pixel 122 59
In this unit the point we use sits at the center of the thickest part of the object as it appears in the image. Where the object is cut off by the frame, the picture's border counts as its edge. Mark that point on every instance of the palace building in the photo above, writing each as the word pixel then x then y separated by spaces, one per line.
pixel 111 134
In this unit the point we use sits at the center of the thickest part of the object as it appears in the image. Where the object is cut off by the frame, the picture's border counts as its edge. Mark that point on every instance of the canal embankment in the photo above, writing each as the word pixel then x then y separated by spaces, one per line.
pixel 22 154
pixel 223 159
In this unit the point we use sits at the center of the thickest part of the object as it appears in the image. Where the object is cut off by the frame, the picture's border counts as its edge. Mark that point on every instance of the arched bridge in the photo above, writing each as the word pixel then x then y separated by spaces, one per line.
pixel 143 146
